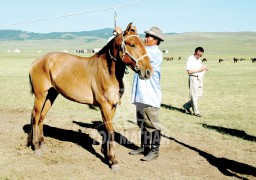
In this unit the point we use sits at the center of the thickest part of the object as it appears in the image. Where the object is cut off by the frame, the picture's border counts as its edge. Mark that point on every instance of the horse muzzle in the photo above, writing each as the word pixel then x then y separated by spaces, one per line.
pixel 144 74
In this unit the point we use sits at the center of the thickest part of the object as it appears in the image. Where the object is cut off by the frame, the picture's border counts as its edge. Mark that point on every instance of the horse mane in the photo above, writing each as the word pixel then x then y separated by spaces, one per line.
pixel 106 47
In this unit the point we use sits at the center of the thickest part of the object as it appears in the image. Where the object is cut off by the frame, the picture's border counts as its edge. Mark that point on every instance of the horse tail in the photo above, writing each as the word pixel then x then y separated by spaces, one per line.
pixel 31 86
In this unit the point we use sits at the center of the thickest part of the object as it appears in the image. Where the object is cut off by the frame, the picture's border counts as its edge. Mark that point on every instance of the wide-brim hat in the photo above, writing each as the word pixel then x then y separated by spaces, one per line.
pixel 156 32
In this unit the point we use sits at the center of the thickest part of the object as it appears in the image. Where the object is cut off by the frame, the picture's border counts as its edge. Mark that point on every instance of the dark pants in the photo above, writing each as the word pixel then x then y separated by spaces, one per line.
pixel 148 121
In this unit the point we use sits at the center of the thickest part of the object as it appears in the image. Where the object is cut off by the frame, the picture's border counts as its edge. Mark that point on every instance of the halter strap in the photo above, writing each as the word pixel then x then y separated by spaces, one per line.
pixel 133 58
pixel 136 60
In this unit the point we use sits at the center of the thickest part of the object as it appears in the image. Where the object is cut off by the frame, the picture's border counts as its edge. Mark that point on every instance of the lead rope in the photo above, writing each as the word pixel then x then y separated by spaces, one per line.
pixel 111 57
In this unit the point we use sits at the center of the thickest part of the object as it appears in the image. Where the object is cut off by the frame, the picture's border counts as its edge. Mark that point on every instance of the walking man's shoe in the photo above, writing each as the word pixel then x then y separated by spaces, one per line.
pixel 187 110
pixel 198 115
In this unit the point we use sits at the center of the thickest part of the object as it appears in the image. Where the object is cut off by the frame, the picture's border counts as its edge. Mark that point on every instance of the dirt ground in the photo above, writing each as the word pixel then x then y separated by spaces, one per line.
pixel 73 152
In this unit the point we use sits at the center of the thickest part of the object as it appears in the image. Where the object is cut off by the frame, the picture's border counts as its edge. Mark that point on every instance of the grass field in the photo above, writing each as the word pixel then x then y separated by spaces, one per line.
pixel 229 91
pixel 196 148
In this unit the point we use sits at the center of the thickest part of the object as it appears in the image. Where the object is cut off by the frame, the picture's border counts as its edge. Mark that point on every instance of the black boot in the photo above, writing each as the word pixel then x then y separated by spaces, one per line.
pixel 154 152
pixel 140 150
pixel 147 140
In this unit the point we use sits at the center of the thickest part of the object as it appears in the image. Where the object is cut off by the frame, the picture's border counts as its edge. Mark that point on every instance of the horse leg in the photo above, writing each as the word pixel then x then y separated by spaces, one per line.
pixel 51 96
pixel 107 115
pixel 41 106
pixel 36 113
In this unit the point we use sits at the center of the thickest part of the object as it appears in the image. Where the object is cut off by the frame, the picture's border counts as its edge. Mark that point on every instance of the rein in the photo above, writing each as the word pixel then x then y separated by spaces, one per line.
pixel 136 60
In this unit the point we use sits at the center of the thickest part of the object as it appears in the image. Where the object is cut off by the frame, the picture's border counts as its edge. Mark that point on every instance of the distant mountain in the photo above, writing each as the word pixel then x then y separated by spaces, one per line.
pixel 23 35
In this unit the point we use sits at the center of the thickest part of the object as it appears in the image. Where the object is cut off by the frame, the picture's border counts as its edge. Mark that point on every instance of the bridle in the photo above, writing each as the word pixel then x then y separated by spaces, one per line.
pixel 125 51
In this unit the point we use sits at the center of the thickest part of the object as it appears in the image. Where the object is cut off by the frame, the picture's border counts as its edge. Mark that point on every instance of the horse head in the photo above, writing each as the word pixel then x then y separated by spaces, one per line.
pixel 133 53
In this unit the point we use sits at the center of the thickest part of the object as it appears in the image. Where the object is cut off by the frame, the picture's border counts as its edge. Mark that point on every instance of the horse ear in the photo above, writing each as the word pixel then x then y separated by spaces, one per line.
pixel 134 29
pixel 128 29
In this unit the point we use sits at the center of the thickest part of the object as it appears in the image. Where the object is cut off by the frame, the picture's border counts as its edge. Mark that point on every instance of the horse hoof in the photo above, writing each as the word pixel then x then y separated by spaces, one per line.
pixel 115 167
pixel 43 147
pixel 38 152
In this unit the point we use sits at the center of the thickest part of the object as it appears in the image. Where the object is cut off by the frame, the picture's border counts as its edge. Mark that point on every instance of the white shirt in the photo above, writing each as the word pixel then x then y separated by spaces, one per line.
pixel 193 63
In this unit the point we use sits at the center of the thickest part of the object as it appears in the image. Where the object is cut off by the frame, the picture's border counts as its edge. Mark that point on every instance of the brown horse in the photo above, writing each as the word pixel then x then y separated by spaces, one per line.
pixel 95 80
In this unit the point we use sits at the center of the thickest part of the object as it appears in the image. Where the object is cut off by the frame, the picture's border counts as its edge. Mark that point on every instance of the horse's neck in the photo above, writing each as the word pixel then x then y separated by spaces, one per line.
pixel 113 68
pixel 107 56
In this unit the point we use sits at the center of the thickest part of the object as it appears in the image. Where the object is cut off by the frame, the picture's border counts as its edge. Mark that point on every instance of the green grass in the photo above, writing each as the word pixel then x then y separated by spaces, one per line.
pixel 229 91
pixel 228 99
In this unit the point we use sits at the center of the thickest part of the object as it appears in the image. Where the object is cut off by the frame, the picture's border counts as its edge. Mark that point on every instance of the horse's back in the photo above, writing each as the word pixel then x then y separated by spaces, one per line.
pixel 68 74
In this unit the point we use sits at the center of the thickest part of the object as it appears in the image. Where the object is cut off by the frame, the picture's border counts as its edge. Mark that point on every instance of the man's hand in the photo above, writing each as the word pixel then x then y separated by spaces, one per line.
pixel 205 68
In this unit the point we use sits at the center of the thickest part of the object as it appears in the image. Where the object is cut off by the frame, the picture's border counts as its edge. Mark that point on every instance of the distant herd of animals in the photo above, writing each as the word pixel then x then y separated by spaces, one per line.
pixel 171 58
pixel 237 60
pixel 205 60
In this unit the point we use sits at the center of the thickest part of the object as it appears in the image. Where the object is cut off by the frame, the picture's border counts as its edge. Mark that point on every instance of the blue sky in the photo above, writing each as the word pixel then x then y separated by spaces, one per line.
pixel 169 15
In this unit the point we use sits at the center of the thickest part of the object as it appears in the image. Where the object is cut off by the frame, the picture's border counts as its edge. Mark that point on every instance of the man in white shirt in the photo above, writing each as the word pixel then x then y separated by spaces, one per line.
pixel 196 71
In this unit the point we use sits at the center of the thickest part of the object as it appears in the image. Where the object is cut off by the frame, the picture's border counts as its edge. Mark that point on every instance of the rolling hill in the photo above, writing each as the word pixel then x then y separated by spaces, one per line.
pixel 24 35
pixel 217 45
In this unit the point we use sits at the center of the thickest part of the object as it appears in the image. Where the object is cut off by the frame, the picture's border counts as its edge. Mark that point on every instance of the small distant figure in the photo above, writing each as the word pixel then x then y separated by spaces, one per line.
pixel 235 60
pixel 253 60
pixel 179 58
pixel 168 58
pixel 220 60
